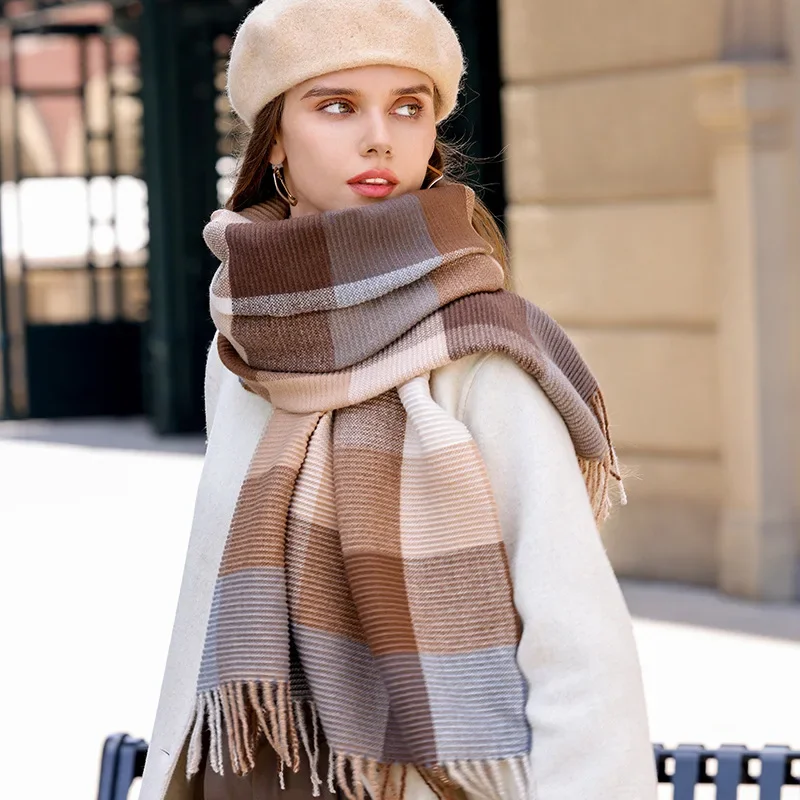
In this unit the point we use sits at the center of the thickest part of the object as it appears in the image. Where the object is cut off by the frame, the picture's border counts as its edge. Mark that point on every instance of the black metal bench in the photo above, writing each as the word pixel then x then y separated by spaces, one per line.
pixel 728 768
pixel 685 767
pixel 122 762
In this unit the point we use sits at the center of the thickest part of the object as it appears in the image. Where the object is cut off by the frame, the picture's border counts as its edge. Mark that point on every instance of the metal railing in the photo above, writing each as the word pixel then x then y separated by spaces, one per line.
pixel 727 768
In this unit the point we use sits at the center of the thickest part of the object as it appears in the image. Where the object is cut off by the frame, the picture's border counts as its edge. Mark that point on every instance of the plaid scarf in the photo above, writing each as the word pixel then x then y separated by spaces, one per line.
pixel 364 590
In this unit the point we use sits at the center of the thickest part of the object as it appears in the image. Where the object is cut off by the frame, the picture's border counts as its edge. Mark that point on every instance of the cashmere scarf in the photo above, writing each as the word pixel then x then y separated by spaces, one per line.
pixel 364 591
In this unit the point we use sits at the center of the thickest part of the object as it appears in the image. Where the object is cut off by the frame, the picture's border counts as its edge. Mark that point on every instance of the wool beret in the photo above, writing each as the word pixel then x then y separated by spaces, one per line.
pixel 283 43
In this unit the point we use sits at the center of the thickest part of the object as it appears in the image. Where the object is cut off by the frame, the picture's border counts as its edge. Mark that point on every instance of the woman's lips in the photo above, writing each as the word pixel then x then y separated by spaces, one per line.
pixel 374 183
pixel 373 189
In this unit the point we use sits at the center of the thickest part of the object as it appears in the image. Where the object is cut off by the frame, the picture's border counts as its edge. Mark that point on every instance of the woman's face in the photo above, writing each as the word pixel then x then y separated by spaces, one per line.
pixel 356 137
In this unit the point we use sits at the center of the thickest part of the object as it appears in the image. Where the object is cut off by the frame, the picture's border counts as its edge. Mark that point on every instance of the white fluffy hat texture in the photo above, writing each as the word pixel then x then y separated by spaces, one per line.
pixel 282 43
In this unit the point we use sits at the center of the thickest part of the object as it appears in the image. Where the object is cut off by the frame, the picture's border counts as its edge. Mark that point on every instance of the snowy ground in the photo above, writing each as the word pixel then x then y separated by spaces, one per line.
pixel 94 520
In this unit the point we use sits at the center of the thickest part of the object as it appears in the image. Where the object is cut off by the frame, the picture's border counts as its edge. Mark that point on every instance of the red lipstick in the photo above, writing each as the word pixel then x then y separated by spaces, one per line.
pixel 374 183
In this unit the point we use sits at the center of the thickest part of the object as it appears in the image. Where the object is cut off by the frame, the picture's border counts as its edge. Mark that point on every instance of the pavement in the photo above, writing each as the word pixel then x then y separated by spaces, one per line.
pixel 95 518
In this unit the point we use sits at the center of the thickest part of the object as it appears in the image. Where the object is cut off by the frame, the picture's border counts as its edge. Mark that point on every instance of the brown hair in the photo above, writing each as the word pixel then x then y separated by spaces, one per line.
pixel 254 182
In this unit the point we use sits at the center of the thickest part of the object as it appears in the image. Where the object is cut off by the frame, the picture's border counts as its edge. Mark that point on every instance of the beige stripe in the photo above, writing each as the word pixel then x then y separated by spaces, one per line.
pixel 416 353
pixel 314 501
pixel 433 518
pixel 256 534
pixel 439 454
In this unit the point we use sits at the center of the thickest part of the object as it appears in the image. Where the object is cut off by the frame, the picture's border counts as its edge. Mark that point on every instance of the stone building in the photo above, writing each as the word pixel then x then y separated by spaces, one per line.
pixel 651 183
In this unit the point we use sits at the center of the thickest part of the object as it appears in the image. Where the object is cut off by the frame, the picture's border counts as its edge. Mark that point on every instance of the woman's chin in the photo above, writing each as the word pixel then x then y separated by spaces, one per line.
pixel 346 199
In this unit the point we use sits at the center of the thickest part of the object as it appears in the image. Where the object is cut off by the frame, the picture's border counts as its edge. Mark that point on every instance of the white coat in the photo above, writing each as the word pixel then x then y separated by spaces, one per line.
pixel 577 653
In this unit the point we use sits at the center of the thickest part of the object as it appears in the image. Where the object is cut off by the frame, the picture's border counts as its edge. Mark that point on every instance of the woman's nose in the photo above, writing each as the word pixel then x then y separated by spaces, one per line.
pixel 376 139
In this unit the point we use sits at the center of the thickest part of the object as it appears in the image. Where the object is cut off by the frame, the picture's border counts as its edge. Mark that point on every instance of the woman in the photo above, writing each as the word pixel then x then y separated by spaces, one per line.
pixel 394 583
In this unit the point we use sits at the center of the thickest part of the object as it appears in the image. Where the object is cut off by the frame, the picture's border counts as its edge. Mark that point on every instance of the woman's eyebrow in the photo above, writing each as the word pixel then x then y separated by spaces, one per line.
pixel 327 91
pixel 420 88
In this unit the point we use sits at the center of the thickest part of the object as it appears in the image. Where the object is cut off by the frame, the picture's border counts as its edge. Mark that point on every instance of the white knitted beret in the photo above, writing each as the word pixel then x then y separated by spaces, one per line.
pixel 282 43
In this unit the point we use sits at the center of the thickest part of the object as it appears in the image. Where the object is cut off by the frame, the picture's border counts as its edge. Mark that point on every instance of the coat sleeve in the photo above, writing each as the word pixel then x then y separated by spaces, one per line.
pixel 212 383
pixel 577 653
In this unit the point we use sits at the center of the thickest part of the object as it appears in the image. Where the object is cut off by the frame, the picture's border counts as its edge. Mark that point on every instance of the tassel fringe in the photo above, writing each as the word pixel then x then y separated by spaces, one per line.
pixel 242 711
pixel 598 473
pixel 310 744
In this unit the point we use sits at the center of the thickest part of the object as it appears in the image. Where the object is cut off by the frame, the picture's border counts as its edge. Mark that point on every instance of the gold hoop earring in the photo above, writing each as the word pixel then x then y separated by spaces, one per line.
pixel 439 175
pixel 280 185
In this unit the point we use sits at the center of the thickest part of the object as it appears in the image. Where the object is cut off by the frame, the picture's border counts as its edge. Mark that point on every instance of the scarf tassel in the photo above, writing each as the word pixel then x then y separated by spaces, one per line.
pixel 242 711
pixel 598 473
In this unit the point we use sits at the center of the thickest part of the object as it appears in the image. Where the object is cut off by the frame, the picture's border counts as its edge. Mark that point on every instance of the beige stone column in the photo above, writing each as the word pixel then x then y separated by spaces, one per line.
pixel 747 110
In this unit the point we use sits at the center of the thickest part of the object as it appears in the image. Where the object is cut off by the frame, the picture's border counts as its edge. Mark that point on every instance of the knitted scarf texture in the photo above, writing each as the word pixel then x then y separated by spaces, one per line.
pixel 364 592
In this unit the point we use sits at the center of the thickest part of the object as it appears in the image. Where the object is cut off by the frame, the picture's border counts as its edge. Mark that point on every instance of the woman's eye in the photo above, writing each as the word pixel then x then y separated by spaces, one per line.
pixel 339 107
pixel 409 110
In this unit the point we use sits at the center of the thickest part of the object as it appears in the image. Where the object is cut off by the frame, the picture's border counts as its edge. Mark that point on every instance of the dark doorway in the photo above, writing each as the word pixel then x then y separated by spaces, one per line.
pixel 479 118
pixel 73 224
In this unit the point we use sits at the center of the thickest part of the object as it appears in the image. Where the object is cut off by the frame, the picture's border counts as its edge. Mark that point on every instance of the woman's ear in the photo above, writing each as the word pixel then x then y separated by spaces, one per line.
pixel 277 155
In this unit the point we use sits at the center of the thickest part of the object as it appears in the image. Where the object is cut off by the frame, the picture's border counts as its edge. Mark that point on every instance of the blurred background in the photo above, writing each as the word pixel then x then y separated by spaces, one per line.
pixel 642 158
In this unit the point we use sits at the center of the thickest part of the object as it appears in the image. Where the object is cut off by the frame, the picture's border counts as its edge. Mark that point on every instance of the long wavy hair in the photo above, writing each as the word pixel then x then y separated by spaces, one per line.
pixel 254 184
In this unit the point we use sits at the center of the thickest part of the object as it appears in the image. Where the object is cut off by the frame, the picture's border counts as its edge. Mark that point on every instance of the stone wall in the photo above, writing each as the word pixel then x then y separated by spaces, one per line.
pixel 620 225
